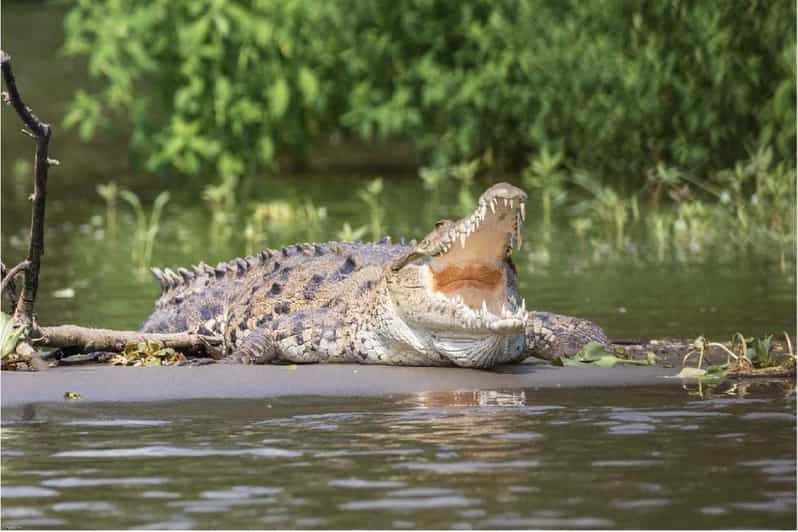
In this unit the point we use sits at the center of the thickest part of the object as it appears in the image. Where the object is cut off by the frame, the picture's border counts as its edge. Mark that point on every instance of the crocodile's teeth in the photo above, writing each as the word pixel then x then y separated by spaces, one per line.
pixel 493 206
pixel 462 239
pixel 506 324
pixel 523 211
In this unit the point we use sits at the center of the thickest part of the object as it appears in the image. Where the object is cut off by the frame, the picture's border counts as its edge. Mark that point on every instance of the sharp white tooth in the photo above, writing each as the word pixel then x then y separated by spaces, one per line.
pixel 523 304
pixel 484 308
pixel 493 206
pixel 505 202
pixel 523 211
pixel 462 239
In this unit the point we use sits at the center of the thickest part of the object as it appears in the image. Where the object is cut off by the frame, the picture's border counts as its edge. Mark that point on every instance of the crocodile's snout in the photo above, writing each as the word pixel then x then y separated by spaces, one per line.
pixel 463 266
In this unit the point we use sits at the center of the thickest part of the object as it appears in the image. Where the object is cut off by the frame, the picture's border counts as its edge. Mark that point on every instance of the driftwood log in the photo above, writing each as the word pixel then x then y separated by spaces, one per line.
pixel 84 338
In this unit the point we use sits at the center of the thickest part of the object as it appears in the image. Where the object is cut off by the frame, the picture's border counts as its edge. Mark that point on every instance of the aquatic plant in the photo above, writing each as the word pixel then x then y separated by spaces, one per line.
pixel 146 227
pixel 607 206
pixel 371 195
pixel 109 192
pixel 279 218
pixel 221 201
pixel 347 234
pixel 753 358
pixel 435 178
pixel 746 211
pixel 544 173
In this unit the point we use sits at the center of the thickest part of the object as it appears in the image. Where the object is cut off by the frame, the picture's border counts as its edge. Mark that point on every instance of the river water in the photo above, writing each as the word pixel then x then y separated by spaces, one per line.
pixel 654 457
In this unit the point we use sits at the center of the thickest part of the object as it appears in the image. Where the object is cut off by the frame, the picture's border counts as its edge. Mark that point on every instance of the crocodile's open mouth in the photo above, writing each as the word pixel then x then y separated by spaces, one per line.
pixel 468 267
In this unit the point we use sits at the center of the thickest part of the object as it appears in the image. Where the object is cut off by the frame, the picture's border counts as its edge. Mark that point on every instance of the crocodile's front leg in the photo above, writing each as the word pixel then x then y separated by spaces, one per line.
pixel 302 337
pixel 550 335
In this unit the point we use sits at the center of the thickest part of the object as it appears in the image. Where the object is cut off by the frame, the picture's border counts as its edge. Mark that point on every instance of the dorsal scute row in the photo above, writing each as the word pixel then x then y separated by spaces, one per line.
pixel 172 280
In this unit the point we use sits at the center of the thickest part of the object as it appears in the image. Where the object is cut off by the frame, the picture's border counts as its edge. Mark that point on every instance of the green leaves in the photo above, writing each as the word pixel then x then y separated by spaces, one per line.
pixel 84 114
pixel 615 87
pixel 10 334
pixel 596 355
pixel 279 98
pixel 309 86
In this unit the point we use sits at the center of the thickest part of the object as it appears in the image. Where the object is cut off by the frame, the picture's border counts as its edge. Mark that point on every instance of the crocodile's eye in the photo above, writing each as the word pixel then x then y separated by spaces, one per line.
pixel 441 223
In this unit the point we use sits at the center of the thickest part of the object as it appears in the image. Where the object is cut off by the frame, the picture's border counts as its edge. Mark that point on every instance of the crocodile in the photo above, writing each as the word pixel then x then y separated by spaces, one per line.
pixel 451 299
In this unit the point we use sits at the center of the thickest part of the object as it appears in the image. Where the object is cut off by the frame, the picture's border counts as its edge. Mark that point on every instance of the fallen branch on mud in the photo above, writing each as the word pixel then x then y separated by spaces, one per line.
pixel 88 339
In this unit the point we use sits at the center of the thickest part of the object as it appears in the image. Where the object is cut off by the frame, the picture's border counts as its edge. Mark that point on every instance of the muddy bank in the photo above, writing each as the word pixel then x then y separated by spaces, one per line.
pixel 110 383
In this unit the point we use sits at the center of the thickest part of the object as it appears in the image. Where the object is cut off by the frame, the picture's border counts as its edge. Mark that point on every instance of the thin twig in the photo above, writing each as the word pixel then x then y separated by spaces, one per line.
pixel 11 289
pixel 8 277
pixel 789 344
pixel 42 131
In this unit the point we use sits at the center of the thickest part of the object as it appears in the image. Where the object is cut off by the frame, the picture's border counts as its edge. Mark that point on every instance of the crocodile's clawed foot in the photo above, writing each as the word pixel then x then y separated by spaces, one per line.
pixel 256 348
pixel 552 336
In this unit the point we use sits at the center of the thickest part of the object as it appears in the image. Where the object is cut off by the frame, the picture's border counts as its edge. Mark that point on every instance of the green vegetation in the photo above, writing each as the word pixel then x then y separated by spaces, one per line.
pixel 615 87
pixel 371 195
pixel 146 228
pixel 596 355
pixel 754 358
pixel 661 130
pixel 10 335
pixel 748 210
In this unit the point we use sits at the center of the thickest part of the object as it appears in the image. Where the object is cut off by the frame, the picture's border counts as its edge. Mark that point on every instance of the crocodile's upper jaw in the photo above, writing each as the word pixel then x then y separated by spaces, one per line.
pixel 459 280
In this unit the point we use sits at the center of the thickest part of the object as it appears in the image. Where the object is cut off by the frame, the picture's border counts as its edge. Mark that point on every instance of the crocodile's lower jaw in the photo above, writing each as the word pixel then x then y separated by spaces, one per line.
pixel 478 351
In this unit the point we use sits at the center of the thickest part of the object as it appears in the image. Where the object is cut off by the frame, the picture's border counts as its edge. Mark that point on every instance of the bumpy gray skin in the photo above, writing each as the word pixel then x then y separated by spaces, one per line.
pixel 356 302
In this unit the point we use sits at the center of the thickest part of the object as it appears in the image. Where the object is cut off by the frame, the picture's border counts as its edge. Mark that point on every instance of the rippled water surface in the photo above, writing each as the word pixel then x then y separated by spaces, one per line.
pixel 656 457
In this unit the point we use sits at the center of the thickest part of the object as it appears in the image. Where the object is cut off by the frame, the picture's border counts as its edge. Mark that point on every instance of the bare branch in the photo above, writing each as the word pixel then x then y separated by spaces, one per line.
pixel 8 277
pixel 42 131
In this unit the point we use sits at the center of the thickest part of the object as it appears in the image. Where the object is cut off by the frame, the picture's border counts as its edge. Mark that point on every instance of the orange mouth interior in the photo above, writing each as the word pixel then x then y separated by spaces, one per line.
pixel 475 269
pixel 475 283
pixel 453 278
